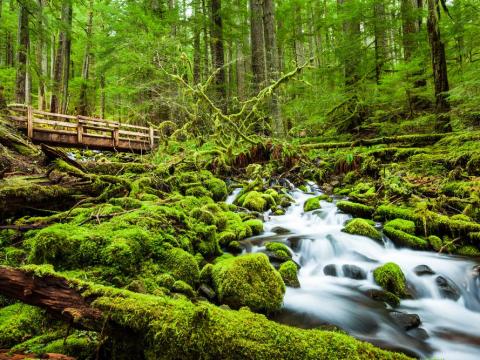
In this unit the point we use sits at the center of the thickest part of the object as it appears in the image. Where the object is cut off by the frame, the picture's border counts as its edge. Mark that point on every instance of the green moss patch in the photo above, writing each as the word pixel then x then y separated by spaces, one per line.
pixel 391 278
pixel 356 209
pixel 362 227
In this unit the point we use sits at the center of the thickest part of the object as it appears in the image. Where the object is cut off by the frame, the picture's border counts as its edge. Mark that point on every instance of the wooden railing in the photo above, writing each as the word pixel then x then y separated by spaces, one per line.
pixel 82 131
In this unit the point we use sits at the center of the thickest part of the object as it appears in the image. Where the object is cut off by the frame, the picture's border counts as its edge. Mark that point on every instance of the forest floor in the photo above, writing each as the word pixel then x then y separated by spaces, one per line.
pixel 128 256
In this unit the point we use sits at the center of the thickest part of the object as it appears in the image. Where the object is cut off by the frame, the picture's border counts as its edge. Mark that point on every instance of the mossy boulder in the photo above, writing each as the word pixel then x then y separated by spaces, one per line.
pixel 182 287
pixel 435 242
pixel 289 272
pixel 248 280
pixel 362 227
pixel 255 201
pixel 391 278
pixel 402 225
pixel 402 238
pixel 217 187
pixel 312 204
pixel 180 264
pixel 255 225
pixel 356 209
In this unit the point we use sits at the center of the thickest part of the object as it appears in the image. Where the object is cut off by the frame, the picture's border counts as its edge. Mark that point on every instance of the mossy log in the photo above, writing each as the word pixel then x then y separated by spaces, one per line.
pixel 414 139
pixel 177 328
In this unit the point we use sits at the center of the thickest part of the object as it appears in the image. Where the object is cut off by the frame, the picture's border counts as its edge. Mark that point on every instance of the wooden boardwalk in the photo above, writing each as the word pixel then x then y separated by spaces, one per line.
pixel 81 131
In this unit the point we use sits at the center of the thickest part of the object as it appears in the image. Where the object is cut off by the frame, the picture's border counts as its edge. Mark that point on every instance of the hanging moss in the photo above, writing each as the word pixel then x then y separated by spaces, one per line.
pixel 249 280
pixel 362 227
pixel 391 278
pixel 356 209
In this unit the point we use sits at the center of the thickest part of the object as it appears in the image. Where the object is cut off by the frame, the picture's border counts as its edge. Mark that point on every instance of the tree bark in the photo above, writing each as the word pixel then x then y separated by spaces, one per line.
pixel 83 106
pixel 66 54
pixel 409 28
pixel 258 43
pixel 197 58
pixel 351 43
pixel 380 38
pixel 218 51
pixel 272 64
pixel 42 57
pixel 439 63
pixel 22 55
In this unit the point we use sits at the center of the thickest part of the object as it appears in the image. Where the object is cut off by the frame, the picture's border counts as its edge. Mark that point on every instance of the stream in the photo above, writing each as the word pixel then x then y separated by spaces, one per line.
pixel 446 301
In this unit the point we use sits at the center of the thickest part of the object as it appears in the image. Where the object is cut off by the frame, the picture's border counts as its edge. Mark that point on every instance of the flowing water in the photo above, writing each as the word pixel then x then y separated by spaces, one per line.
pixel 449 329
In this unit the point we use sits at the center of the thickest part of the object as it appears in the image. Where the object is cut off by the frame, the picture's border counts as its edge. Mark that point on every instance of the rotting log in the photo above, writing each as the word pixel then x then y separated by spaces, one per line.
pixel 416 139
pixel 52 293
pixel 166 328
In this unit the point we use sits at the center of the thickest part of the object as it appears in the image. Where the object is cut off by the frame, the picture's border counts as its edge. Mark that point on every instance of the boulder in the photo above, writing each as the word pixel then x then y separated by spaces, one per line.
pixel 421 270
pixel 354 272
pixel 406 321
pixel 447 288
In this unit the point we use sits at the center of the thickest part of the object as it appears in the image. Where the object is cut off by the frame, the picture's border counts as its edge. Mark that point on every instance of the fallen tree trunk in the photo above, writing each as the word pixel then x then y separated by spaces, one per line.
pixel 167 328
pixel 417 139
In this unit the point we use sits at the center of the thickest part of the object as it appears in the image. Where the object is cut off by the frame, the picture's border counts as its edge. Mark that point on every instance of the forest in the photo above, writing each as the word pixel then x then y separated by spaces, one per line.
pixel 244 179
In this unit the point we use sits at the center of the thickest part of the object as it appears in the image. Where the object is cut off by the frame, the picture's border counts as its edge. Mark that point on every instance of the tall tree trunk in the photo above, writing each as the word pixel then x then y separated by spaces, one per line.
pixel 299 47
pixel 380 38
pixel 240 70
pixel 22 55
pixel 218 52
pixel 351 42
pixel 258 43
pixel 272 64
pixel 42 56
pixel 410 28
pixel 439 63
pixel 66 55
pixel 206 40
pixel 197 58
pixel 83 105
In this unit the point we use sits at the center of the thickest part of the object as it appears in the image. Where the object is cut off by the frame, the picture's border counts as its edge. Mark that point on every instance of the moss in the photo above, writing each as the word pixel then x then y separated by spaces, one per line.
pixel 312 204
pixel 182 287
pixel 165 280
pixel 217 187
pixel 12 256
pixel 255 201
pixel 249 280
pixel 468 250
pixel 277 246
pixel 126 203
pixel 226 237
pixel 181 265
pixel 391 278
pixel 198 192
pixel 356 209
pixel 406 226
pixel 273 193
pixel 288 270
pixel 404 239
pixel 206 274
pixel 435 242
pixel 362 227
pixel 235 248
pixel 19 322
pixel 255 225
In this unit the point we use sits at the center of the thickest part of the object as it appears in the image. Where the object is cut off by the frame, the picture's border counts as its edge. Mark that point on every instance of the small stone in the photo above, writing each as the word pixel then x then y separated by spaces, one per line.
pixel 330 270
pixel 280 230
pixel 447 288
pixel 207 291
pixel 421 270
pixel 407 321
pixel 354 272
pixel 419 334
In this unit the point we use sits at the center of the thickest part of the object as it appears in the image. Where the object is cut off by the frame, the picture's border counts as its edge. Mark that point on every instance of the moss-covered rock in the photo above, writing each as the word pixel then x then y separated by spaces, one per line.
pixel 255 225
pixel 391 278
pixel 289 272
pixel 182 287
pixel 435 242
pixel 312 204
pixel 468 250
pixel 403 225
pixel 255 201
pixel 217 187
pixel 180 264
pixel 248 280
pixel 402 238
pixel 362 227
pixel 356 209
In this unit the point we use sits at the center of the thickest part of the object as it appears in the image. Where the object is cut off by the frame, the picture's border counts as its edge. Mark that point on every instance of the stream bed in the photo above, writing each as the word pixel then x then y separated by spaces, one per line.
pixel 446 293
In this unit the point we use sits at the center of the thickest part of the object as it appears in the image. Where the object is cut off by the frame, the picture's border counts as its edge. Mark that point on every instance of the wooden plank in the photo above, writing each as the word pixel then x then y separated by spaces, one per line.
pixel 116 138
pixel 63 116
pixel 124 132
pixel 80 133
pixel 54 123
pixel 152 139
pixel 134 126
pixel 29 122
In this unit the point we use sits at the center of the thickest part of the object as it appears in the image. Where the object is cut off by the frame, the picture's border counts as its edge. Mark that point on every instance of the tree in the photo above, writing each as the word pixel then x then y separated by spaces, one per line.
pixel 22 86
pixel 258 43
pixel 439 63
pixel 218 55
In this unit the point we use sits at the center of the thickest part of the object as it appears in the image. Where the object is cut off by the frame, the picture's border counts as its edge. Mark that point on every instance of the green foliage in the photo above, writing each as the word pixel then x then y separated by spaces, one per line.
pixel 363 227
pixel 391 278
pixel 249 280
pixel 19 322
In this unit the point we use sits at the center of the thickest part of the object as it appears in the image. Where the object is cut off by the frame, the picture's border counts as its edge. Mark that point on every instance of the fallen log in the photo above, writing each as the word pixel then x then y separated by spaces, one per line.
pixel 176 328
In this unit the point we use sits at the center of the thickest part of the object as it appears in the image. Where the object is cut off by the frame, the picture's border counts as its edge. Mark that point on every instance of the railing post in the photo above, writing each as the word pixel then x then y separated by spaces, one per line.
pixel 79 131
pixel 152 138
pixel 116 137
pixel 30 122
